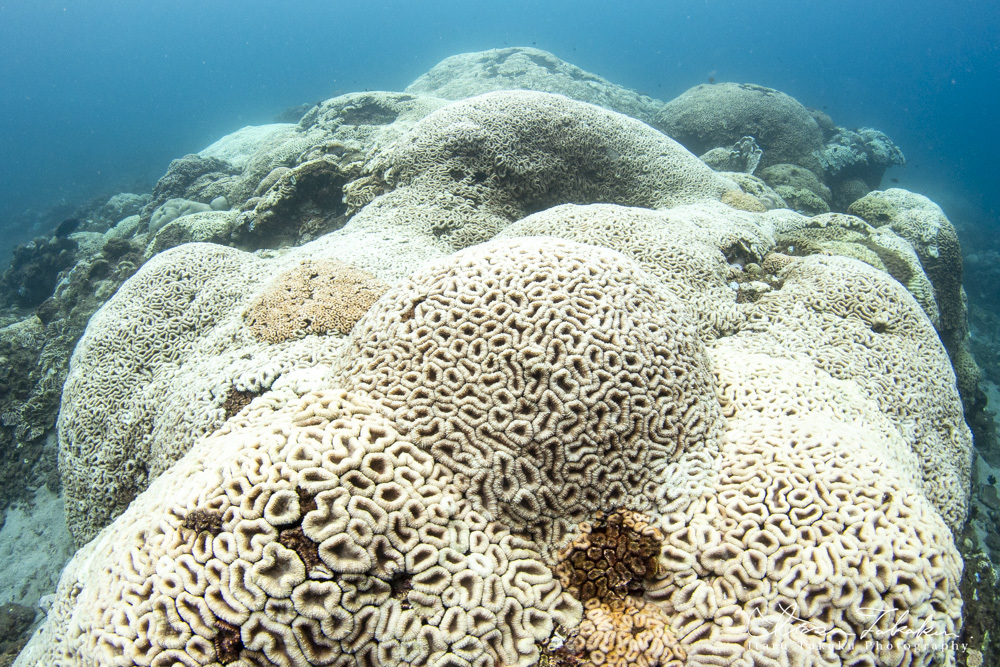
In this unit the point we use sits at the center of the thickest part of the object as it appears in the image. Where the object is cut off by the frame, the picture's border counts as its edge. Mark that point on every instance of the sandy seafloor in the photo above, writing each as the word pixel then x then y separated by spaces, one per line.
pixel 34 546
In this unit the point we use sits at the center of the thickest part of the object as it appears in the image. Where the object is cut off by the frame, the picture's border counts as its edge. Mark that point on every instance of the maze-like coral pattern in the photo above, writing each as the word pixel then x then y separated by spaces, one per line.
pixel 325 538
pixel 557 377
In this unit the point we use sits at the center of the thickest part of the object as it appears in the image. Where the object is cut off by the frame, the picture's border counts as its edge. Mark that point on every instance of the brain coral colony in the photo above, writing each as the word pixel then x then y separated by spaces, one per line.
pixel 537 386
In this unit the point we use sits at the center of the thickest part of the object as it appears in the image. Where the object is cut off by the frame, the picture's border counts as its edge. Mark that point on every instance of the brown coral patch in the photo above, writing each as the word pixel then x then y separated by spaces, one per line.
pixel 307 550
pixel 612 558
pixel 228 643
pixel 203 521
pixel 317 297
pixel 236 401
pixel 742 201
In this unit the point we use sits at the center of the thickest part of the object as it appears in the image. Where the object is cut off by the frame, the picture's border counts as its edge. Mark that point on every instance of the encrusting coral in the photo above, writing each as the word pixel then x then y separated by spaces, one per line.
pixel 611 558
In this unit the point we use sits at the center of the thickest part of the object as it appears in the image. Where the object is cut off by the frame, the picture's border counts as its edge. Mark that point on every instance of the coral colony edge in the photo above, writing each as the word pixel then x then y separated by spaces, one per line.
pixel 497 371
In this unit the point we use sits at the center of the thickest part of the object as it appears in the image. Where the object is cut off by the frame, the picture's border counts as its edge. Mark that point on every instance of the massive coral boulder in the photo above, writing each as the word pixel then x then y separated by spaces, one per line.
pixel 713 115
pixel 345 127
pixel 341 130
pixel 239 147
pixel 156 327
pixel 719 122
pixel 817 547
pixel 468 170
pixel 558 378
pixel 925 227
pixel 299 204
pixel 526 68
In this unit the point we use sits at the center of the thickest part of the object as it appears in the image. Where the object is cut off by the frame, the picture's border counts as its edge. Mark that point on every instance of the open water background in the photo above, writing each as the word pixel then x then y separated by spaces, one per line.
pixel 97 96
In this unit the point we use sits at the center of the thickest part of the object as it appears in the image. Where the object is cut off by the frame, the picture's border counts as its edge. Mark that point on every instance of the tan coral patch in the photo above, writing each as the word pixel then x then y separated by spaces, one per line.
pixel 620 633
pixel 317 297
pixel 742 201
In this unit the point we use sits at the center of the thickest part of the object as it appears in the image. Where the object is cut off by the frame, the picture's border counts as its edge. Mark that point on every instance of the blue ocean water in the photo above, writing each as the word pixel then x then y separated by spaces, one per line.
pixel 97 96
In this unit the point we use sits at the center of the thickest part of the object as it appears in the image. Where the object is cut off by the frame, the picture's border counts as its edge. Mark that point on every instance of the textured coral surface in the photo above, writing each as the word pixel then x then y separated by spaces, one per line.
pixel 556 376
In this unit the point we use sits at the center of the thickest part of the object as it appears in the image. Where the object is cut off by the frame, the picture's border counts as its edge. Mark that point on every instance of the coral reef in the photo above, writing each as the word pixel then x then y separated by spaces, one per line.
pixel 743 201
pixel 184 350
pixel 204 226
pixel 121 206
pixel 979 586
pixel 774 517
pixel 839 234
pixel 612 406
pixel 238 148
pixel 756 188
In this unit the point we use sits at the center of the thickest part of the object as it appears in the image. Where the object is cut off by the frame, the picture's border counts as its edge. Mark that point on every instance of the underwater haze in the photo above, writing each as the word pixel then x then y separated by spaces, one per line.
pixel 97 96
